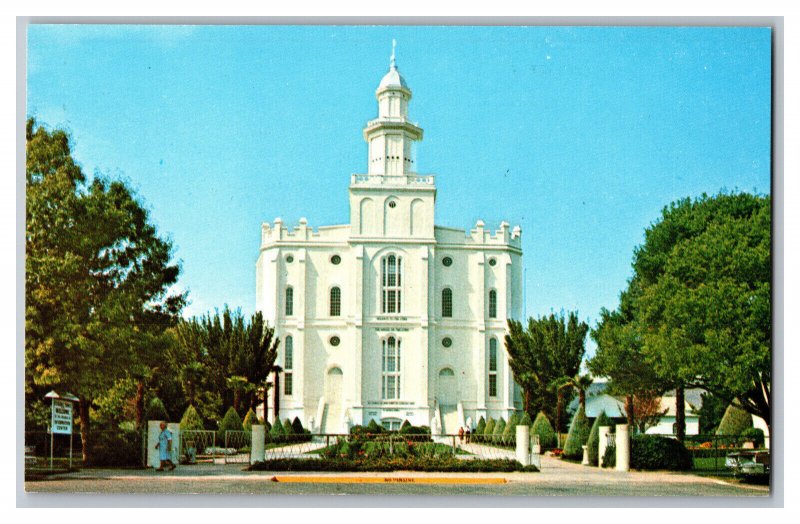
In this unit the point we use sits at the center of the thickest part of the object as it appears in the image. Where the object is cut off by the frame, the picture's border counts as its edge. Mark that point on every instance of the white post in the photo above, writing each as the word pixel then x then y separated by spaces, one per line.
pixel 175 429
pixel 153 430
pixel 257 444
pixel 623 448
pixel 585 461
pixel 523 440
pixel 602 444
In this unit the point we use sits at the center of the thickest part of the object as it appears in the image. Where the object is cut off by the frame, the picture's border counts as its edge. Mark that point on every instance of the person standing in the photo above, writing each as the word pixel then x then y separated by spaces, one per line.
pixel 164 448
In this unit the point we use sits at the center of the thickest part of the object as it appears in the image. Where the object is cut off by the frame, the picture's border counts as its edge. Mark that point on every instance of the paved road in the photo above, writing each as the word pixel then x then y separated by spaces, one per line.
pixel 556 478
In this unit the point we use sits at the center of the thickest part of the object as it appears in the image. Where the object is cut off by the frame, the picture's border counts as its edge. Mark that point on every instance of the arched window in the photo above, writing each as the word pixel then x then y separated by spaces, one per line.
pixel 447 302
pixel 391 284
pixel 492 304
pixel 492 367
pixel 446 372
pixel 336 302
pixel 390 385
pixel 289 301
pixel 288 357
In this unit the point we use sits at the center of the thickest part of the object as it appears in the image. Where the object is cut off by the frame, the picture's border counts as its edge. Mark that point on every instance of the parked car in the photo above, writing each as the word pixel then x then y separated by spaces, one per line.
pixel 751 465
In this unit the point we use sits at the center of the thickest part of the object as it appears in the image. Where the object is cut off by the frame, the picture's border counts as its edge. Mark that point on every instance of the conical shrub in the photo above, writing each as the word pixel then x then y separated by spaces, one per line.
pixel 543 428
pixel 497 434
pixel 510 432
pixel 156 410
pixel 594 437
pixel 488 430
pixel 249 420
pixel 230 422
pixel 578 435
pixel 191 420
pixel 524 420
pixel 297 426
pixel 734 421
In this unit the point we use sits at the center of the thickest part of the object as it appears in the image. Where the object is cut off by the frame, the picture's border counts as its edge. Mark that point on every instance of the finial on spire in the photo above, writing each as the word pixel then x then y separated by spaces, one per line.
pixel 392 64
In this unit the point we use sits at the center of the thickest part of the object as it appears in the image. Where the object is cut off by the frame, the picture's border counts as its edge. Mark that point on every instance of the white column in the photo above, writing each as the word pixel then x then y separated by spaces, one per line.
pixel 602 443
pixel 257 443
pixel 153 430
pixel 623 448
pixel 523 440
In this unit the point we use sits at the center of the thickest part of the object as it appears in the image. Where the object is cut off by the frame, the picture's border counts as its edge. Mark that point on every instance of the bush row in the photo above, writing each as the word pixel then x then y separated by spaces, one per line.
pixel 443 464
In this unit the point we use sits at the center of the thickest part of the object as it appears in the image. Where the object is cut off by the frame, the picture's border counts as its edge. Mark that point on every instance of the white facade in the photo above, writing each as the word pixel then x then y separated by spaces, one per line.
pixel 390 317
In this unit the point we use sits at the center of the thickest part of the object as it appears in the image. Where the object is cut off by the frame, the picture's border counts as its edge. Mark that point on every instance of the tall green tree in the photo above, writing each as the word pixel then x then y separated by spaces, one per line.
pixel 551 347
pixel 97 277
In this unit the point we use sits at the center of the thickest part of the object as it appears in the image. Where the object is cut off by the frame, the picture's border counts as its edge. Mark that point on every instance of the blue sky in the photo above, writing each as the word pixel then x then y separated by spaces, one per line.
pixel 580 135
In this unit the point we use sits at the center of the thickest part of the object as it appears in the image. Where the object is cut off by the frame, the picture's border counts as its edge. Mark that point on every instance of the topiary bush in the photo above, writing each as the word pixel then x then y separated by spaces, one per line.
pixel 594 437
pixel 510 433
pixel 276 432
pixel 155 410
pixel 405 425
pixel 578 435
pixel 479 429
pixel 191 421
pixel 543 428
pixel 497 433
pixel 652 452
pixel 734 421
pixel 486 436
pixel 374 427
pixel 230 422
pixel 249 420
pixel 288 429
pixel 610 457
pixel 524 420
pixel 297 426
pixel 116 449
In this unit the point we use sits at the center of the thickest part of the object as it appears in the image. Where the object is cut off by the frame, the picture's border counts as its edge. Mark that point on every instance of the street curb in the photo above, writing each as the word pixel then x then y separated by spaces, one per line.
pixel 309 479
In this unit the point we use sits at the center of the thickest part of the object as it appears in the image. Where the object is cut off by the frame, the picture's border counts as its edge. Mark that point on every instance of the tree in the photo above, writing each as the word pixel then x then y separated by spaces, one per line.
pixel 230 422
pixel 249 420
pixel 543 428
pixel 593 444
pixel 191 420
pixel 704 312
pixel 735 421
pixel 97 277
pixel 549 348
pixel 648 410
pixel 711 412
pixel 578 436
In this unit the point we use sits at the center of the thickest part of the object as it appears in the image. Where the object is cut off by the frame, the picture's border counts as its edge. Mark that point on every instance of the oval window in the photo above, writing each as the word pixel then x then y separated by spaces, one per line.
pixel 492 261
pixel 392 204
pixel 447 261
pixel 289 259
pixel 335 341
pixel 335 260
pixel 447 342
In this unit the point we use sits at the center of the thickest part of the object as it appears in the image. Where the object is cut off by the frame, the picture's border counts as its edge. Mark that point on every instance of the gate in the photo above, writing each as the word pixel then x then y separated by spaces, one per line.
pixel 198 446
pixel 237 447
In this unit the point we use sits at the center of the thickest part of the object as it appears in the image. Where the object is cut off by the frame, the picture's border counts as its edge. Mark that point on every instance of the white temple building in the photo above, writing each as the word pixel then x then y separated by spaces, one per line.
pixel 389 317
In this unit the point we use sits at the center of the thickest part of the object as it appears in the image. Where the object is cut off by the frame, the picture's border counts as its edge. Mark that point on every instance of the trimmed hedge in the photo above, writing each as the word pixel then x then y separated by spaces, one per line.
pixel 116 449
pixel 488 429
pixel 578 435
pixel 543 428
pixel 481 427
pixel 499 427
pixel 440 463
pixel 754 434
pixel 610 457
pixel 734 421
pixel 510 433
pixel 594 437
pixel 652 452
pixel 191 420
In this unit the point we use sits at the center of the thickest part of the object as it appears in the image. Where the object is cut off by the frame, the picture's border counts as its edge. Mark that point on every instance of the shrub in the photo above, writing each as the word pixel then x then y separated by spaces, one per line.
pixel 525 420
pixel 276 432
pixel 116 449
pixel 374 427
pixel 756 435
pixel 510 433
pixel 297 426
pixel 156 410
pixel 481 427
pixel 578 435
pixel 415 430
pixel 543 428
pixel 649 452
pixel 734 421
pixel 385 463
pixel 230 422
pixel 288 429
pixel 191 420
pixel 249 420
pixel 497 433
pixel 594 437
pixel 404 426
pixel 610 457
pixel 488 430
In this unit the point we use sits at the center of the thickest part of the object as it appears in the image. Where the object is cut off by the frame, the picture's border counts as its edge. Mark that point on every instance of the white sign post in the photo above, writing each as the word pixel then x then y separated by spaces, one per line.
pixel 60 420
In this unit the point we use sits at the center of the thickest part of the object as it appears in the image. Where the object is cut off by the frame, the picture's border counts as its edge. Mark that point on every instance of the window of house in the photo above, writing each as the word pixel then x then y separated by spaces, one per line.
pixel 492 367
pixel 336 302
pixel 391 424
pixel 289 301
pixel 390 386
pixel 391 284
pixel 447 302
pixel 288 363
pixel 493 304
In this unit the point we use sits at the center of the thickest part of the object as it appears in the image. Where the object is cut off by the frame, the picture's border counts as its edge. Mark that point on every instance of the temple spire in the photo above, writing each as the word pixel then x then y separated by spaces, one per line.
pixel 392 63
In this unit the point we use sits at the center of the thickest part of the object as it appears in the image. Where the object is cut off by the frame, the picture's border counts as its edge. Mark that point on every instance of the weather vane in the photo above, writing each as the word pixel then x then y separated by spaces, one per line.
pixel 391 59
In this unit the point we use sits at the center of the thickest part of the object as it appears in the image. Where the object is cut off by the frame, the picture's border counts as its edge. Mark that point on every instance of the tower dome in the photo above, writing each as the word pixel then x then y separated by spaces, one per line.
pixel 393 79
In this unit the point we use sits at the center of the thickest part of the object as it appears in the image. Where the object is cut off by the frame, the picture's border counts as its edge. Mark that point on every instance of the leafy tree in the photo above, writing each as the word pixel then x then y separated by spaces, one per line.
pixel 648 410
pixel 191 420
pixel 97 278
pixel 549 348
pixel 711 412
pixel 593 444
pixel 577 436
pixel 735 421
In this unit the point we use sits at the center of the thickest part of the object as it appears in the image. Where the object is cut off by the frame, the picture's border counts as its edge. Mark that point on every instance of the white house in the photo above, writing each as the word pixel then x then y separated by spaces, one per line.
pixel 389 317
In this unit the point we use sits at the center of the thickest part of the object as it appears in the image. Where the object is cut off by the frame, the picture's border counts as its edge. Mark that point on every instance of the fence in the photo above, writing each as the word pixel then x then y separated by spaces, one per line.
pixel 710 453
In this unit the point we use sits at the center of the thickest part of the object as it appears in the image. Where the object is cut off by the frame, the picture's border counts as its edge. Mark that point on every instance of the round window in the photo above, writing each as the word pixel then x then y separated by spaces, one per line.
pixel 447 261
pixel 392 204
pixel 289 259
pixel 492 261
pixel 447 342
pixel 336 259
pixel 335 340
